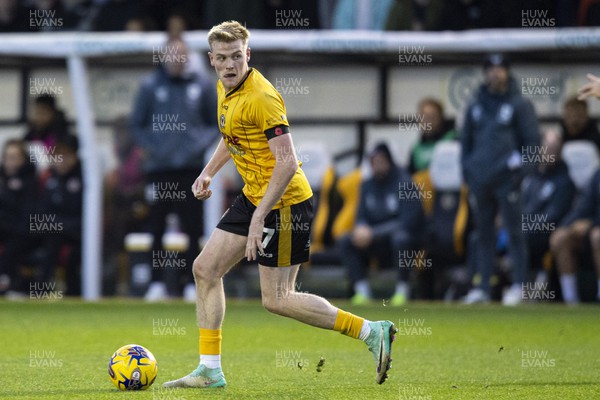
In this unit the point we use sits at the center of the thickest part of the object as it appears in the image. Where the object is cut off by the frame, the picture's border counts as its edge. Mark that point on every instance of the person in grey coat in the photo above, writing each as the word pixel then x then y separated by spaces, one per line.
pixel 173 122
pixel 500 139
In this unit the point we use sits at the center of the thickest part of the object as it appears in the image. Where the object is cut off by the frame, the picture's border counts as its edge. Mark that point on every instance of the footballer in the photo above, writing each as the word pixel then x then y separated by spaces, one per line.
pixel 255 133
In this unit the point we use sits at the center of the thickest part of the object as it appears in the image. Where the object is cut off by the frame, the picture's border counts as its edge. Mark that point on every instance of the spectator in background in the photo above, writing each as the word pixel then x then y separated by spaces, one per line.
pixel 75 11
pixel 589 13
pixel 173 123
pixel 62 202
pixel 113 15
pixel 414 15
pixel 459 15
pixel 140 23
pixel 18 191
pixel 361 15
pixel 48 124
pixel 498 125
pixel 592 88
pixel 251 12
pixel 582 224
pixel 548 194
pixel 299 11
pixel 433 129
pixel 176 25
pixel 386 227
pixel 13 17
pixel 576 123
pixel 326 9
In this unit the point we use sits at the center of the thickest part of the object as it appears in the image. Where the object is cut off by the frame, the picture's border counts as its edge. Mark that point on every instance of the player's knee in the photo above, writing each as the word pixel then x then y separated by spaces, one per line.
pixel 272 304
pixel 558 239
pixel 202 272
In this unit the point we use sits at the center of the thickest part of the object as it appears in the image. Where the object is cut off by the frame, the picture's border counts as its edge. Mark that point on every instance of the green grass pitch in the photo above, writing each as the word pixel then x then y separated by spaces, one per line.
pixel 60 350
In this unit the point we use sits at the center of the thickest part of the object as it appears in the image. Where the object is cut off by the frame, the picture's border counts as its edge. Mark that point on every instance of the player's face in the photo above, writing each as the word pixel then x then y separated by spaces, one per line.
pixel 230 61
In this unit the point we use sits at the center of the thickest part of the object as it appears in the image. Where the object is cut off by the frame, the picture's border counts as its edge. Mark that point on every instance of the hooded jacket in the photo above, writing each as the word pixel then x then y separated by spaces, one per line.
pixel 497 127
pixel 173 120
pixel 391 205
pixel 549 193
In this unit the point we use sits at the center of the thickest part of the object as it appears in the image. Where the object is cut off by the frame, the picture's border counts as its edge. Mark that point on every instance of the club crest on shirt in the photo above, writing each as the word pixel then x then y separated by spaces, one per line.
pixel 505 113
pixel 222 120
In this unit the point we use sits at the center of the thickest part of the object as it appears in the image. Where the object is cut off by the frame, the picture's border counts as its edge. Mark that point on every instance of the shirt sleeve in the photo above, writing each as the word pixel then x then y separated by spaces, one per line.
pixel 270 115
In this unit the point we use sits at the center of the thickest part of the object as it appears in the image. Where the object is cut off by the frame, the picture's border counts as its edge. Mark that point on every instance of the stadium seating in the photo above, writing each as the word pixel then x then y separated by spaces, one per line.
pixel 447 222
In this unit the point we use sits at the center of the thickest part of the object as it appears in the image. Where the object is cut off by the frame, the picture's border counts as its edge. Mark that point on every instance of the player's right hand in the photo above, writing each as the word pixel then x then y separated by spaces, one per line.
pixel 592 88
pixel 200 187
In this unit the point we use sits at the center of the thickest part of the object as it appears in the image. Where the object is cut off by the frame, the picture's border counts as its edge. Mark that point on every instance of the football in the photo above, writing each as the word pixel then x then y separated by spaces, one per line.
pixel 132 367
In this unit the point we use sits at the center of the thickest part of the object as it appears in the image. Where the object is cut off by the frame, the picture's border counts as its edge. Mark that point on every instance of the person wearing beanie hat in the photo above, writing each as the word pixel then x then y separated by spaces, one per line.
pixel 388 227
pixel 499 127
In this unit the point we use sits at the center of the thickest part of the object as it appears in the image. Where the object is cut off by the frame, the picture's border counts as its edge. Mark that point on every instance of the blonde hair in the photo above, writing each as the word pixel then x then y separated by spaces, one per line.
pixel 227 32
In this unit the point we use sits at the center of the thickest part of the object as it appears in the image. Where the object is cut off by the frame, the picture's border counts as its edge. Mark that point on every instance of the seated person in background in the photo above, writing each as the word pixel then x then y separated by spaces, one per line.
pixel 567 243
pixel 61 207
pixel 18 190
pixel 387 226
pixel 48 124
pixel 548 194
pixel 576 123
pixel 434 130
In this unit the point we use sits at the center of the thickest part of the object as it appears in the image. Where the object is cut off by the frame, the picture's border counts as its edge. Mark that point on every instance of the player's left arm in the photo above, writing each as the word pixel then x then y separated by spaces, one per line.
pixel 286 165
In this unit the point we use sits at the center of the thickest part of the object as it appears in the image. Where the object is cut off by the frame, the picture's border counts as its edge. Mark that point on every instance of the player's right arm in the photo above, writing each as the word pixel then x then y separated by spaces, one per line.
pixel 200 188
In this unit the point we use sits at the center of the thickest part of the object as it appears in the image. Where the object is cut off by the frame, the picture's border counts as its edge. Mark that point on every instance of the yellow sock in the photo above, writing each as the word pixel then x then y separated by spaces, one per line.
pixel 348 324
pixel 210 341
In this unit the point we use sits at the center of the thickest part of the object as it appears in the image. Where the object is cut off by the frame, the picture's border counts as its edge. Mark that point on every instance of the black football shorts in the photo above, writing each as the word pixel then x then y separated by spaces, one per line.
pixel 286 235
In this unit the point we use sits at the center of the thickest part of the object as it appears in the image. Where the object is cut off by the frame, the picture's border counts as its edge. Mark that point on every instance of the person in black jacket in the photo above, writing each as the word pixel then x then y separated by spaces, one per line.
pixel 18 191
pixel 59 220
pixel 577 124
pixel 548 194
pixel 581 224
pixel 387 227
pixel 500 130
pixel 48 124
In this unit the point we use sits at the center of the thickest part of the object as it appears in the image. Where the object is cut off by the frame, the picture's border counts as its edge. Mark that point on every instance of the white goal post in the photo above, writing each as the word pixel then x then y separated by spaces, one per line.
pixel 77 47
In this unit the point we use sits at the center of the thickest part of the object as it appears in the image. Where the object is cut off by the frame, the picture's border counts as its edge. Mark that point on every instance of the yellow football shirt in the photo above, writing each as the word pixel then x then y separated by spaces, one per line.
pixel 248 116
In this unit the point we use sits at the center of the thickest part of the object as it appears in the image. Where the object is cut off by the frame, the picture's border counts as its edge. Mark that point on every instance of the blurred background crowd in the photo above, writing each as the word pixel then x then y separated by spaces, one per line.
pixel 406 15
pixel 497 208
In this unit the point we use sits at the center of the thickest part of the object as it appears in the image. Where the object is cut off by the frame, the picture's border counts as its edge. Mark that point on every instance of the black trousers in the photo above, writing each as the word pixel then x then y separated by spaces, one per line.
pixel 169 192
pixel 388 250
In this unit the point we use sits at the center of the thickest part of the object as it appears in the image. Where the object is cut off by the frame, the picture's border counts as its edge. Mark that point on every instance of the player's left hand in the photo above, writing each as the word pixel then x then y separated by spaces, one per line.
pixel 254 243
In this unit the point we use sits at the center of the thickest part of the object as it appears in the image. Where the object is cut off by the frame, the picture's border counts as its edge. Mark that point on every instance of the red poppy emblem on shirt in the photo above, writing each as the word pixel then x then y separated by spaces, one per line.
pixel 278 131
